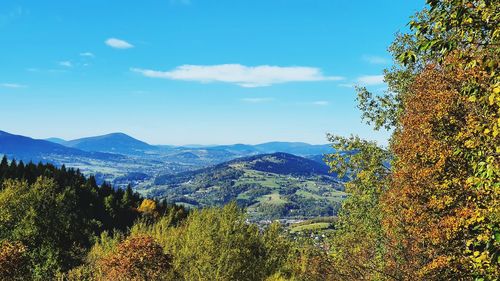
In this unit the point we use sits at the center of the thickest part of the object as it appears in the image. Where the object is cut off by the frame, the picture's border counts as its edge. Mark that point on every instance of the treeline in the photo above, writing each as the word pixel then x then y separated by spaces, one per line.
pixel 50 217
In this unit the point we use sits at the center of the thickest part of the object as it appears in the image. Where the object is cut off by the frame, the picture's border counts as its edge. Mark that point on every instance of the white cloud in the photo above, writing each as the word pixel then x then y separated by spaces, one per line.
pixel 13 85
pixel 118 43
pixel 244 76
pixel 257 100
pixel 376 59
pixel 87 54
pixel 368 80
pixel 320 103
pixel 66 63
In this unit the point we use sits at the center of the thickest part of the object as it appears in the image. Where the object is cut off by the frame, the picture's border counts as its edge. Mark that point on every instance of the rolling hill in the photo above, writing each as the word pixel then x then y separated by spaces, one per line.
pixel 277 185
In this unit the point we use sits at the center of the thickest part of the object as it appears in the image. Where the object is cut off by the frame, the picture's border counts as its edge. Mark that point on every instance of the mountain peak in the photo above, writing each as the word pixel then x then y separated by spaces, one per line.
pixel 117 142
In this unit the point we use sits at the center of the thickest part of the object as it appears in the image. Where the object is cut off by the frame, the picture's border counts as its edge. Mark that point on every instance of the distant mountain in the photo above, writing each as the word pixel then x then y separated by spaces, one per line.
pixel 25 148
pixel 124 144
pixel 57 140
pixel 113 143
pixel 273 185
pixel 117 157
pixel 297 148
pixel 238 149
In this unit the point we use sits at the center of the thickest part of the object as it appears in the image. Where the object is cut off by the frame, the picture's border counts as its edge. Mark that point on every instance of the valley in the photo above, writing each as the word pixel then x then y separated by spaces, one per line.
pixel 277 180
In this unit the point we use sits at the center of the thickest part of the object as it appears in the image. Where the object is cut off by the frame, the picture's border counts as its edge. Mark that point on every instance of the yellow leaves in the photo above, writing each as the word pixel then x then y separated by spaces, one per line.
pixel 13 261
pixel 470 144
pixel 148 206
pixel 480 259
pixel 492 98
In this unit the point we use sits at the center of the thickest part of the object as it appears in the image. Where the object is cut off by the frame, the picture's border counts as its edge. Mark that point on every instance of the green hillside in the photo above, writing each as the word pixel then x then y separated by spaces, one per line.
pixel 270 186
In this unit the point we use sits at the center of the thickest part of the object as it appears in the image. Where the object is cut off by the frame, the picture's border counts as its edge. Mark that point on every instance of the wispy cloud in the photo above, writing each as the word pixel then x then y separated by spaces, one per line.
pixel 376 59
pixel 87 54
pixel 118 43
pixel 66 63
pixel 257 100
pixel 13 85
pixel 244 76
pixel 369 80
pixel 320 103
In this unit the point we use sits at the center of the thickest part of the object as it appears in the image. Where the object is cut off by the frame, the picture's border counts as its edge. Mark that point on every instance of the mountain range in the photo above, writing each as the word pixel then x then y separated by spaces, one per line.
pixel 124 144
pixel 273 180
pixel 28 149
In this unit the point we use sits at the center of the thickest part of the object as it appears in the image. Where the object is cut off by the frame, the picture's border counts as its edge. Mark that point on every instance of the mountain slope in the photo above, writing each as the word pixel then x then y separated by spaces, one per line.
pixel 57 140
pixel 26 148
pixel 114 143
pixel 278 185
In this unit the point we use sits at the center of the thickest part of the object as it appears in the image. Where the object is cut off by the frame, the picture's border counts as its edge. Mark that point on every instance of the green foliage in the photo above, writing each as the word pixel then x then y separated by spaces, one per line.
pixel 357 242
pixel 452 25
pixel 56 214
pixel 37 216
pixel 211 244
pixel 217 244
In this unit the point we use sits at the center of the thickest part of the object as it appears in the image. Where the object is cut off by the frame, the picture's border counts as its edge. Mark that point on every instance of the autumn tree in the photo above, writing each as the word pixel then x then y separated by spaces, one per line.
pixel 445 211
pixel 138 258
pixel 13 261
pixel 439 206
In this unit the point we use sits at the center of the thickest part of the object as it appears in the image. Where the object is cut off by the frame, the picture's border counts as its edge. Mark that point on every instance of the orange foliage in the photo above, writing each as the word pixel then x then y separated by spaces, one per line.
pixel 136 258
pixel 433 210
pixel 13 261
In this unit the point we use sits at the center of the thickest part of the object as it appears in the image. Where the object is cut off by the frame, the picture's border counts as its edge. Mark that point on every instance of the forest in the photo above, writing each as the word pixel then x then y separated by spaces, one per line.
pixel 426 207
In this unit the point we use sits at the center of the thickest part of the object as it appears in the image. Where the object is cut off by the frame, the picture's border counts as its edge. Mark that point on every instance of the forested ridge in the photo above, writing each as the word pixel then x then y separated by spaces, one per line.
pixel 424 208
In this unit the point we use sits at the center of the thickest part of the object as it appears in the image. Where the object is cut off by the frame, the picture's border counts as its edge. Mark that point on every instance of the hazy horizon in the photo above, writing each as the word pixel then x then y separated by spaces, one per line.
pixel 182 144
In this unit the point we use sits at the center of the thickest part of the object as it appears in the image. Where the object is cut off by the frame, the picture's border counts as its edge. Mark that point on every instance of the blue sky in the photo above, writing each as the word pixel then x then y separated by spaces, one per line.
pixel 193 71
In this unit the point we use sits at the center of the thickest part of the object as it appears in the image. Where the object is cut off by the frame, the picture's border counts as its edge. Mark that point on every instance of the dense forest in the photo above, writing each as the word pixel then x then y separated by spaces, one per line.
pixel 424 208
